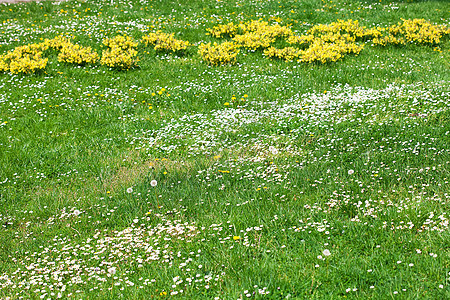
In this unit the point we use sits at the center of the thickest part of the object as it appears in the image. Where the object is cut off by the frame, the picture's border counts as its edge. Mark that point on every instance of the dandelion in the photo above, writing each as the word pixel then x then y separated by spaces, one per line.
pixel 153 183
pixel 350 172
pixel 129 190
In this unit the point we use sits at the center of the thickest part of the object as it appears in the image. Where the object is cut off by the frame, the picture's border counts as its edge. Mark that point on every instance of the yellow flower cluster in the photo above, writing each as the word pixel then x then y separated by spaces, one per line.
pixel 164 42
pixel 253 40
pixel 219 53
pixel 76 54
pixel 121 41
pixel 121 53
pixel 416 31
pixel 259 34
pixel 29 58
pixel 24 59
pixel 349 27
pixel 223 30
pixel 322 43
pixel 323 51
pixel 330 42
pixel 264 27
pixel 57 42
pixel 287 53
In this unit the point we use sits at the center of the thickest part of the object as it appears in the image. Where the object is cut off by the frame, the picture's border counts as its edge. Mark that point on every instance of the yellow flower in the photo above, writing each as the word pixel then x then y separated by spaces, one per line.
pixel 220 31
pixel 121 53
pixel 76 54
pixel 165 42
pixel 218 54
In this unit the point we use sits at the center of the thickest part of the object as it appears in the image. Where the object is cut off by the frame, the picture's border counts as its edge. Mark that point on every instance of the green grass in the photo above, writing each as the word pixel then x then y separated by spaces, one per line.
pixel 352 157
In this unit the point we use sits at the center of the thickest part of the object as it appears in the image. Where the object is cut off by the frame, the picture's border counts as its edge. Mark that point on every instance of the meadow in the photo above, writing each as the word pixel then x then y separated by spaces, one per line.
pixel 230 149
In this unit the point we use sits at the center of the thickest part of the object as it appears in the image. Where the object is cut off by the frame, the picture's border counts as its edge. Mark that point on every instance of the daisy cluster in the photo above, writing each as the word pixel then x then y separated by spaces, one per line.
pixel 64 267
pixel 294 118
pixel 219 127
pixel 123 260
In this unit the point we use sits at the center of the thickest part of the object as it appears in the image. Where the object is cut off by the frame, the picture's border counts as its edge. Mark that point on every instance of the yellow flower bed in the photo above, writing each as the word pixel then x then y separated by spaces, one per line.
pixel 262 27
pixel 164 42
pixel 29 58
pixel 287 53
pixel 76 54
pixel 416 31
pixel 223 30
pixel 254 40
pixel 28 63
pixel 330 42
pixel 323 52
pixel 259 34
pixel 24 59
pixel 218 54
pixel 57 42
pixel 121 53
pixel 322 43
pixel 121 41
pixel 350 27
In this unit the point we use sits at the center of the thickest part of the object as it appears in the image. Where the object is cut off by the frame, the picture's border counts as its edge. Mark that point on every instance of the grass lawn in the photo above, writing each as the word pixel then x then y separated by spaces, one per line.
pixel 166 173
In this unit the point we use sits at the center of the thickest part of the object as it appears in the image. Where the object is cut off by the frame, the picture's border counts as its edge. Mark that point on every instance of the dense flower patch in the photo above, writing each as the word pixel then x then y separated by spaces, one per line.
pixel 222 30
pixel 417 31
pixel 218 54
pixel 322 43
pixel 164 42
pixel 24 59
pixel 121 53
pixel 76 54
